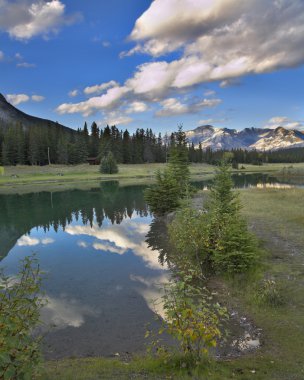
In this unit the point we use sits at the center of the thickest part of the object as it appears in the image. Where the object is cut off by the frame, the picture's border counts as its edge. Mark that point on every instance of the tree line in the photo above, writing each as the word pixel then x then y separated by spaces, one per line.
pixel 42 145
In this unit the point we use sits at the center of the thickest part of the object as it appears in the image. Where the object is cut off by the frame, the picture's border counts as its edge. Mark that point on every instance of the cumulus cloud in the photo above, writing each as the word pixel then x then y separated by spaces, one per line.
pixel 16 99
pixel 32 241
pixel 119 239
pixel 230 82
pixel 173 106
pixel 27 241
pixel 92 105
pixel 25 19
pixel 98 89
pixel 225 37
pixel 73 93
pixel 116 118
pixel 285 122
pixel 37 98
pixel 218 40
pixel 136 107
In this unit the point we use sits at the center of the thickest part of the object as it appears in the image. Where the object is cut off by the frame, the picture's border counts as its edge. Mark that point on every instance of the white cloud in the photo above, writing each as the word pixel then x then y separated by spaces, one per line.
pixel 37 98
pixel 16 99
pixel 285 122
pixel 224 38
pixel 62 312
pixel 119 239
pixel 82 244
pixel 92 105
pixel 230 82
pixel 18 56
pixel 116 118
pixel 173 106
pixel 27 241
pixel 73 93
pixel 218 40
pixel 32 241
pixel 47 241
pixel 98 89
pixel 1 55
pixel 26 65
pixel 136 107
pixel 25 19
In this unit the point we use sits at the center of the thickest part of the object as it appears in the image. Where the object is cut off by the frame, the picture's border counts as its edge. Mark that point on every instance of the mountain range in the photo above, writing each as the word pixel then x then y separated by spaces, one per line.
pixel 210 137
pixel 10 115
pixel 249 138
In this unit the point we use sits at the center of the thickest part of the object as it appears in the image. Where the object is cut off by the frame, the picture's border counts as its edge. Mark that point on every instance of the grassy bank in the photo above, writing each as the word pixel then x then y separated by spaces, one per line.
pixel 277 217
pixel 31 178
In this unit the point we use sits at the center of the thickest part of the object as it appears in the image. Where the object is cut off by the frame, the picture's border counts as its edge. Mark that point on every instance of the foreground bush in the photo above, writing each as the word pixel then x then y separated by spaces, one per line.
pixel 20 305
pixel 191 317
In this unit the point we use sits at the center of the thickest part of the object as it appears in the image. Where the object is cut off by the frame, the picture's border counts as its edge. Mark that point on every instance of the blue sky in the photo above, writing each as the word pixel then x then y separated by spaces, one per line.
pixel 144 64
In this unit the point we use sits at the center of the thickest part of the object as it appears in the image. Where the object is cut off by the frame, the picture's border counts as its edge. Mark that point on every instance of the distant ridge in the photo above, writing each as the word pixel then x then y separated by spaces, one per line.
pixel 249 138
pixel 10 115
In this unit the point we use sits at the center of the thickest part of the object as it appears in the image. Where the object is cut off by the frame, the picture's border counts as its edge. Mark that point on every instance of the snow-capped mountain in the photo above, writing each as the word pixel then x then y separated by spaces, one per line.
pixel 248 138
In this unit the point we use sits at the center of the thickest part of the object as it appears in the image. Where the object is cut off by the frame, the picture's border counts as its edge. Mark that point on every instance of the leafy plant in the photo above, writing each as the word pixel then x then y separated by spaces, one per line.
pixel 191 317
pixel 20 304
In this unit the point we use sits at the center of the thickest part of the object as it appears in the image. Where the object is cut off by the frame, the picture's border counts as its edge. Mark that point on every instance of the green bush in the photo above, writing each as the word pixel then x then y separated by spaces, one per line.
pixel 108 164
pixel 190 317
pixel 20 304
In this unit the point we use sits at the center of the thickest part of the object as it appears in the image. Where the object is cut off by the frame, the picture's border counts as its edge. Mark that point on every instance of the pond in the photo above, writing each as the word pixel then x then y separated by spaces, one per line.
pixel 101 274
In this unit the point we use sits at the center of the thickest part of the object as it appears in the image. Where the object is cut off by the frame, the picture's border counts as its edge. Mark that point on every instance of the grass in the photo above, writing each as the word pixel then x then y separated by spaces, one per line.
pixel 27 178
pixel 277 217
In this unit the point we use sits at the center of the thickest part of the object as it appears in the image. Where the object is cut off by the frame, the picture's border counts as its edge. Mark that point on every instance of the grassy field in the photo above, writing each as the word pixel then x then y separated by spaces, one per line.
pixel 277 218
pixel 29 178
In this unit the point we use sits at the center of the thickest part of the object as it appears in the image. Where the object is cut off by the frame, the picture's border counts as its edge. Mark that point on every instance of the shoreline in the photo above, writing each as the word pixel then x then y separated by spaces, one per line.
pixel 23 179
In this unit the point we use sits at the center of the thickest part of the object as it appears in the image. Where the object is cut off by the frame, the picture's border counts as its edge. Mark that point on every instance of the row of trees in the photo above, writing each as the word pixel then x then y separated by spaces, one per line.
pixel 41 145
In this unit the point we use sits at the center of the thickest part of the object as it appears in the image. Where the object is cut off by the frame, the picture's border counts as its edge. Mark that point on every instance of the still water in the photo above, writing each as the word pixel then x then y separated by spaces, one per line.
pixel 102 278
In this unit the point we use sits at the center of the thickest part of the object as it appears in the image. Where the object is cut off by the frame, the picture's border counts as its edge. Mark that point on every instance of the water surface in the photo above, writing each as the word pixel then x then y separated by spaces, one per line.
pixel 101 274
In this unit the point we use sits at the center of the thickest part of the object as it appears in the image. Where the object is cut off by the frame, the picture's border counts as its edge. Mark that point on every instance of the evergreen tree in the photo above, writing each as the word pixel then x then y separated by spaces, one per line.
pixel 179 161
pixel 173 184
pixel 232 248
pixel 108 164
pixel 164 196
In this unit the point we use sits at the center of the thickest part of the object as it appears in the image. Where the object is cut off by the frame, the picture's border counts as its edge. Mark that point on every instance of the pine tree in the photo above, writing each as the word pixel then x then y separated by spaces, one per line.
pixel 173 184
pixel 179 161
pixel 108 164
pixel 232 248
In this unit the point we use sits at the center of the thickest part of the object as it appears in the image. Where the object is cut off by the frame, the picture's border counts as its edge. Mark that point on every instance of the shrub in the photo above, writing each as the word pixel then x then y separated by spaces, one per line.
pixel 190 316
pixel 20 305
